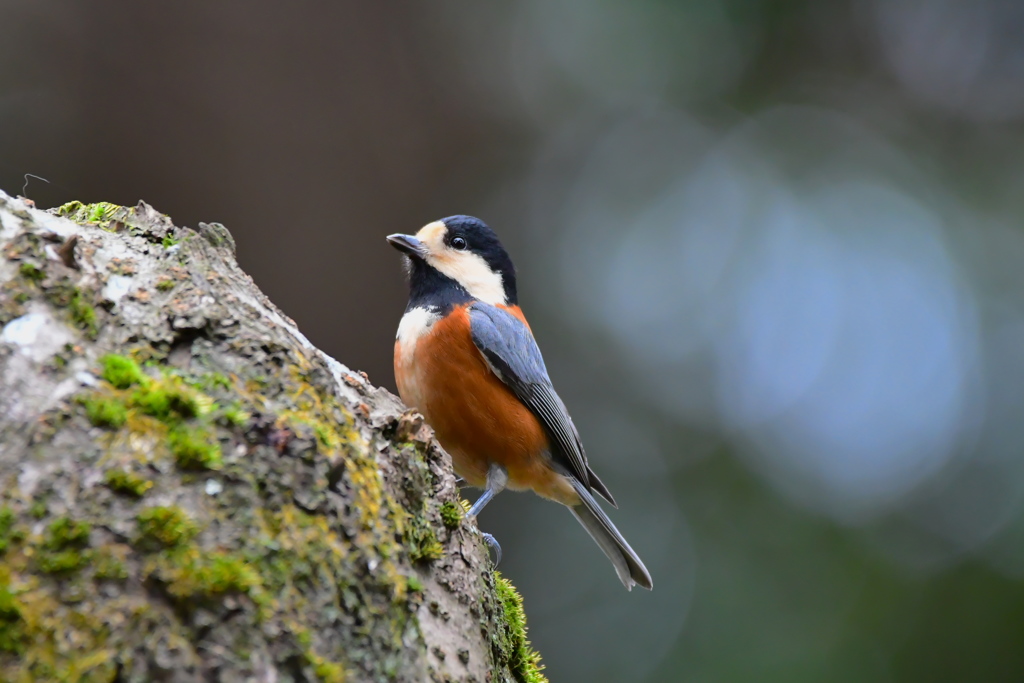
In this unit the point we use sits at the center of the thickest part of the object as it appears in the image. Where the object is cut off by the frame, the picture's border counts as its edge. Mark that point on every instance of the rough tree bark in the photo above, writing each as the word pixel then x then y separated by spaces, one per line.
pixel 189 490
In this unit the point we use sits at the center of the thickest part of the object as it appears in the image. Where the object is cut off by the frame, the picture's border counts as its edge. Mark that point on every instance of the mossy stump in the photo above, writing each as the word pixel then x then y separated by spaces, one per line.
pixel 190 491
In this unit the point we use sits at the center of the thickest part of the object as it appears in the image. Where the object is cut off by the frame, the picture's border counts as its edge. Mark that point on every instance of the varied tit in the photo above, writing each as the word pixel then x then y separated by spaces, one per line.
pixel 465 357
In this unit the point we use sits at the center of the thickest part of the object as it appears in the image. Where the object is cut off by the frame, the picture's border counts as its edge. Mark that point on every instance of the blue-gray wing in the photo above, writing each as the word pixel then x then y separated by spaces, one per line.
pixel 512 353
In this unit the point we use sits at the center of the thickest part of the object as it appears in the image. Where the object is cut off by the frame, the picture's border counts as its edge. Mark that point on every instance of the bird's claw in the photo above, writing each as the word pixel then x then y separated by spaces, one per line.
pixel 492 544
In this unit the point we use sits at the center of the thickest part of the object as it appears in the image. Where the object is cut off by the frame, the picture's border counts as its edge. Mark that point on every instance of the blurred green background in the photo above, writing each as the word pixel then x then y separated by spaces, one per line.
pixel 772 250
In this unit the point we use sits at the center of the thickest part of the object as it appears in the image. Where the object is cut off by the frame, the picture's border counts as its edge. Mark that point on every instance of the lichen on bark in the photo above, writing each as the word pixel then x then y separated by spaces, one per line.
pixel 189 490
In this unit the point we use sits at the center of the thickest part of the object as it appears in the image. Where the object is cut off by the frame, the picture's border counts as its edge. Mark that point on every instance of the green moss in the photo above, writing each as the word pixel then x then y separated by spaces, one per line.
pixel 62 547
pixel 127 483
pixel 155 402
pixel 234 416
pixel 109 567
pixel 198 576
pixel 38 508
pixel 83 314
pixel 327 435
pixel 304 637
pixel 101 211
pixel 8 532
pixel 423 543
pixel 123 372
pixel 414 584
pixel 64 533
pixel 169 242
pixel 185 414
pixel 165 284
pixel 166 527
pixel 451 514
pixel 105 412
pixel 214 380
pixel 7 519
pixel 107 216
pixel 31 273
pixel 523 660
pixel 70 209
pixel 12 627
pixel 195 448
pixel 328 672
pixel 64 294
pixel 63 561
pixel 170 399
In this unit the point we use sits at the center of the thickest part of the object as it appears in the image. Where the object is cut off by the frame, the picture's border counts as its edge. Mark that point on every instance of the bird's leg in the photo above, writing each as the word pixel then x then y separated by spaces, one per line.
pixel 497 479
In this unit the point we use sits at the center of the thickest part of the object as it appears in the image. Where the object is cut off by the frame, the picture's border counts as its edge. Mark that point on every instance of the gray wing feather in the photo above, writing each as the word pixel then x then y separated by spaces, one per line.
pixel 512 353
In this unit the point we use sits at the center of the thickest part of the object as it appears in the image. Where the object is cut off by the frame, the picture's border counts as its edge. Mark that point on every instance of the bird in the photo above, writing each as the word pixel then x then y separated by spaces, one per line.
pixel 465 357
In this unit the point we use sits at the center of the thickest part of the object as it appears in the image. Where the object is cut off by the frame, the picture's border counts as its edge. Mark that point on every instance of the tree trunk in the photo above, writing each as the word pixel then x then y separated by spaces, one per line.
pixel 190 491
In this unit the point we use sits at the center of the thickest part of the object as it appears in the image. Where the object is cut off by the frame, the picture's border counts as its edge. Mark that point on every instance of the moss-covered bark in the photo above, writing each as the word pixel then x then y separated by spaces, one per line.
pixel 189 490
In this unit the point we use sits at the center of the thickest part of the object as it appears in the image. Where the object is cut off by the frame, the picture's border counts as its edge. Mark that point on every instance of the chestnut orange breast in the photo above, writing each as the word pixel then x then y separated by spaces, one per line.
pixel 475 416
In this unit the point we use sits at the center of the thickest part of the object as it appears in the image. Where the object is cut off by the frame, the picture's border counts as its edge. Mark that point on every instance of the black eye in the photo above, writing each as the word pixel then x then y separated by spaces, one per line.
pixel 459 243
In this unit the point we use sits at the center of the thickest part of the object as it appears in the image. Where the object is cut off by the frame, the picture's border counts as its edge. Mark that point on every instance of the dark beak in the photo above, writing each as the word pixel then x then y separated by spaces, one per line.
pixel 408 244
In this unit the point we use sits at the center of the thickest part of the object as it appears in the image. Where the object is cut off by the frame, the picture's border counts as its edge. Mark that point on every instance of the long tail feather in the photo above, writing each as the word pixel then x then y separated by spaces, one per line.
pixel 630 569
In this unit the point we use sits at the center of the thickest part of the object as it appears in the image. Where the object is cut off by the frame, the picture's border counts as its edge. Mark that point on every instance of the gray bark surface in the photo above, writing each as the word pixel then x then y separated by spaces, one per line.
pixel 191 491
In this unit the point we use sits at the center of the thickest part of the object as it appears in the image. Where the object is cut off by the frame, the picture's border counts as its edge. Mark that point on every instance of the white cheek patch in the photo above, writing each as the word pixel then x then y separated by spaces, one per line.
pixel 473 273
pixel 468 269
